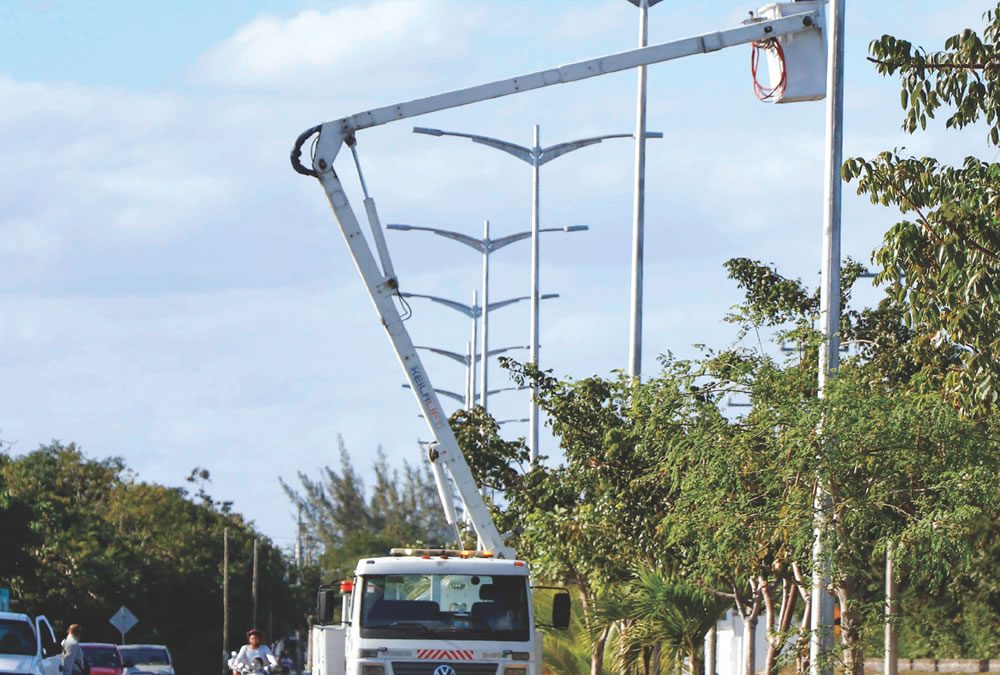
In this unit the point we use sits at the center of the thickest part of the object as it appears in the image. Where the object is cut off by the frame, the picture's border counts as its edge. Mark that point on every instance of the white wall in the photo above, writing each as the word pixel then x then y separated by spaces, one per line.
pixel 729 645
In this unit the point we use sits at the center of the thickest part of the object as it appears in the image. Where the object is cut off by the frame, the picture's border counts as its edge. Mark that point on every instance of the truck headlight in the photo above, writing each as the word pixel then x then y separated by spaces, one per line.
pixel 372 670
pixel 515 670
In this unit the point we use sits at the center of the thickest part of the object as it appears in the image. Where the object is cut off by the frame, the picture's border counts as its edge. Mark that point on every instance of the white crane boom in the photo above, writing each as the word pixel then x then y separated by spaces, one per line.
pixel 381 282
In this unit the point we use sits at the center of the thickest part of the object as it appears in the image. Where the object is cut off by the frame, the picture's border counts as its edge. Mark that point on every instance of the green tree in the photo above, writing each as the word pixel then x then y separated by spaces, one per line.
pixel 742 515
pixel 348 523
pixel 942 262
pixel 102 539
pixel 15 531
pixel 588 521
pixel 885 428
pixel 661 622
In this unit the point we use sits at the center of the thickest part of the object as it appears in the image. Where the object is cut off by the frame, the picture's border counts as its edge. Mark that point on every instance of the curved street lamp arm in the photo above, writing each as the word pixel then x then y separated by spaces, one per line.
pixel 471 312
pixel 497 244
pixel 444 392
pixel 472 242
pixel 511 301
pixel 522 153
pixel 554 151
pixel 495 352
pixel 514 420
pixel 518 151
pixel 504 303
pixel 454 356
pixel 513 388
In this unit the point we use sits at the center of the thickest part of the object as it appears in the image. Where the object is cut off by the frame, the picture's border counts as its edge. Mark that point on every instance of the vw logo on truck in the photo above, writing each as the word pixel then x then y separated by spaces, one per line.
pixel 444 670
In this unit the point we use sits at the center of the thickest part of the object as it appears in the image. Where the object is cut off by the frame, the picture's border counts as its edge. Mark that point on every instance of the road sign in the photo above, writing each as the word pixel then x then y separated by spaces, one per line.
pixel 124 621
pixel 4 599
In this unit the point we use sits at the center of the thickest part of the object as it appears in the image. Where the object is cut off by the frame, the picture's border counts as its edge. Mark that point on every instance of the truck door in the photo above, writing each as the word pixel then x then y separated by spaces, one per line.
pixel 49 651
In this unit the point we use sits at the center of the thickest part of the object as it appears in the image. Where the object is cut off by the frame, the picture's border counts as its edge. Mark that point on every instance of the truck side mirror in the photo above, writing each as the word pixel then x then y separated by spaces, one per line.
pixel 326 601
pixel 560 611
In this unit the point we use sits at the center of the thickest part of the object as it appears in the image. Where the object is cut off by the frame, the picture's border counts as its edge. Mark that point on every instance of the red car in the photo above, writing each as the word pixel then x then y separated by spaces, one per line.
pixel 102 659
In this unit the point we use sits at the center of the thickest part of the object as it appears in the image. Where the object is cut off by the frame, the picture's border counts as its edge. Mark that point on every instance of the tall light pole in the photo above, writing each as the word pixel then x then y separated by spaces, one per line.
pixel 474 312
pixel 639 202
pixel 536 156
pixel 486 246
pixel 821 642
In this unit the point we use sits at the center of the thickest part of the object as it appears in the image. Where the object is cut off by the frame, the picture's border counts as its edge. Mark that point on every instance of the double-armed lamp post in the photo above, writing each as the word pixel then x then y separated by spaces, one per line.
pixel 469 360
pixel 486 246
pixel 475 311
pixel 536 156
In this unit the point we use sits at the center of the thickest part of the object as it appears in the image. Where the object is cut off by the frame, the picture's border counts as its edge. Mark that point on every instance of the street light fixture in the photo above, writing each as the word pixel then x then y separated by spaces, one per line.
pixel 474 312
pixel 486 246
pixel 516 420
pixel 536 156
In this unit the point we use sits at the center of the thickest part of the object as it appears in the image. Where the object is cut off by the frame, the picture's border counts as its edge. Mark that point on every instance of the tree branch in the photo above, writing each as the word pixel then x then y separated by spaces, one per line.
pixel 901 63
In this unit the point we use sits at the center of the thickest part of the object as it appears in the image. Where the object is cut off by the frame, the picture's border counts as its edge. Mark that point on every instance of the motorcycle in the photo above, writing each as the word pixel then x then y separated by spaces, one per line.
pixel 256 667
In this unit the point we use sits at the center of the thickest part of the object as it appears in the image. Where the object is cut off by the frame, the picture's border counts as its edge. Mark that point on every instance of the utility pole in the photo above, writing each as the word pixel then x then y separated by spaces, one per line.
pixel 253 587
pixel 536 213
pixel 639 202
pixel 891 646
pixel 638 207
pixel 485 348
pixel 821 621
pixel 225 600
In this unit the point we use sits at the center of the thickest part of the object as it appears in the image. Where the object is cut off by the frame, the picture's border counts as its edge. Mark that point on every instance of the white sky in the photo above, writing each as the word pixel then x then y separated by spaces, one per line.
pixel 173 293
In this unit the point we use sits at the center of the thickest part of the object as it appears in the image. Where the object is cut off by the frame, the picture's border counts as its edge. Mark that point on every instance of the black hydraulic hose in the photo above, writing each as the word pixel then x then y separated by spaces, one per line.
pixel 297 152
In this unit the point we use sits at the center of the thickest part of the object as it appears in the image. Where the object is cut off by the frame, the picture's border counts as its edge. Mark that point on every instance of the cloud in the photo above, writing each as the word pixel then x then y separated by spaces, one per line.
pixel 387 40
pixel 102 165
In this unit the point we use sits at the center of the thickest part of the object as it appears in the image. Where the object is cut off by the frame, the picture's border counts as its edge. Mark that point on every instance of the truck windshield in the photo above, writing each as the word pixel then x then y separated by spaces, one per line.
pixel 17 637
pixel 451 606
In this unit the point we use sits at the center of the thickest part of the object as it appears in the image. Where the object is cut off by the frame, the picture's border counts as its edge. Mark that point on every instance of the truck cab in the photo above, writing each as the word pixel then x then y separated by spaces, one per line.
pixel 28 646
pixel 433 612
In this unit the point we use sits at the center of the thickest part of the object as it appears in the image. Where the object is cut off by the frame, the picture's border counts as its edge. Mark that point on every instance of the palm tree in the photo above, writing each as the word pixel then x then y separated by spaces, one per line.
pixel 566 652
pixel 679 615
pixel 660 623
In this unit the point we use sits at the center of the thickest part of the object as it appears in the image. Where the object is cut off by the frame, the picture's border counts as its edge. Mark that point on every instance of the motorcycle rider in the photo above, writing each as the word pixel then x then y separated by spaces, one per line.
pixel 250 652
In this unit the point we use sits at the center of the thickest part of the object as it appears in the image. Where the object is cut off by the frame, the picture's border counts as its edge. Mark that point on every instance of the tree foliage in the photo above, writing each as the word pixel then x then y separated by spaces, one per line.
pixel 97 538
pixel 346 522
pixel 942 262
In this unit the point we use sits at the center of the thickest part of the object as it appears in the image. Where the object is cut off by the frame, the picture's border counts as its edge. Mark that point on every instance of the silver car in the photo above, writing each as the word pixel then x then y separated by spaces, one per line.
pixel 146 660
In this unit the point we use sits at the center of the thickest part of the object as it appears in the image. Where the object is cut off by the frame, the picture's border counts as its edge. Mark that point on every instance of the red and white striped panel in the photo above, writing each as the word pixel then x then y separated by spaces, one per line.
pixel 451 654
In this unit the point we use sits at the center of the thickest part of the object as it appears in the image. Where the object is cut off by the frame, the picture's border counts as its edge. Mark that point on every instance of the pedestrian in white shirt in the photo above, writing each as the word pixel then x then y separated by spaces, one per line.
pixel 72 656
pixel 254 649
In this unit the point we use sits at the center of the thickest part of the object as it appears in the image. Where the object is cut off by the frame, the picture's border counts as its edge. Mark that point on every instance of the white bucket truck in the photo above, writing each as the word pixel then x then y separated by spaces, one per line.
pixel 433 612
pixel 441 612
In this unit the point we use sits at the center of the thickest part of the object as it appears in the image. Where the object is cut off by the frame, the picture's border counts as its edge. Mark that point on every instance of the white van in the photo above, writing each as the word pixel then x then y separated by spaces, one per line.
pixel 28 646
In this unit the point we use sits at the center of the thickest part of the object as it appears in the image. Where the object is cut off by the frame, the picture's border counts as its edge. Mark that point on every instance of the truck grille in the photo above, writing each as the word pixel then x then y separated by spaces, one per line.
pixel 428 667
